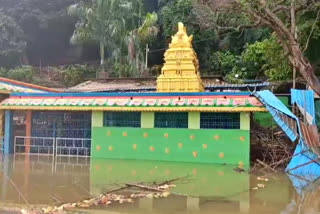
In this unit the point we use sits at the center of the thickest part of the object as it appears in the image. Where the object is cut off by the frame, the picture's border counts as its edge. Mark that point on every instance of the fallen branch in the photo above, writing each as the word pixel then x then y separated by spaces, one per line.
pixel 265 165
pixel 55 199
pixel 173 180
pixel 153 189
pixel 160 191
pixel 118 189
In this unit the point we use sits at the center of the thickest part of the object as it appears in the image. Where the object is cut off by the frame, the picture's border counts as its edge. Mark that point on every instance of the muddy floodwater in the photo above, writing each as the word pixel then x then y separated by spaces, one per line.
pixel 45 180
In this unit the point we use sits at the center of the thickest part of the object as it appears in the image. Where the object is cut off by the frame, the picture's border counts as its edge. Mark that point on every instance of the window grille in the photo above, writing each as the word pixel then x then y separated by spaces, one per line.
pixel 171 120
pixel 61 124
pixel 220 120
pixel 122 119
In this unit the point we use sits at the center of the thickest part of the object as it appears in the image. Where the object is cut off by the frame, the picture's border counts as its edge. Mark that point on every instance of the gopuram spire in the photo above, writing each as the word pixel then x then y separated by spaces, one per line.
pixel 180 72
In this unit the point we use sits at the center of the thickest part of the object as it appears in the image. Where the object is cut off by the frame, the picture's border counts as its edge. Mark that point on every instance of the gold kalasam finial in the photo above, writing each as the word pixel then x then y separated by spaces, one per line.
pixel 181 38
pixel 180 72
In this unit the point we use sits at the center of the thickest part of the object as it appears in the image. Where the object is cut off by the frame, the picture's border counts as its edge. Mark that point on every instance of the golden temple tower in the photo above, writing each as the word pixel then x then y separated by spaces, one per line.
pixel 180 72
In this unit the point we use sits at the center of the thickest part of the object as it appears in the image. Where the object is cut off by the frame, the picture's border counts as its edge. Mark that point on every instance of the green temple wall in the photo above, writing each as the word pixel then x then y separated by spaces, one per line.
pixel 172 144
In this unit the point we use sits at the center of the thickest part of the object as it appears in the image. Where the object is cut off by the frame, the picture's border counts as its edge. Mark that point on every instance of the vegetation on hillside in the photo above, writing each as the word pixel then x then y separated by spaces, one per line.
pixel 239 39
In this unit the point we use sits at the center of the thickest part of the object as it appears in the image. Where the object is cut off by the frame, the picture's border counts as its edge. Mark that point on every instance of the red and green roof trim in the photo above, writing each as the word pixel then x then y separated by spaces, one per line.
pixel 11 86
pixel 135 102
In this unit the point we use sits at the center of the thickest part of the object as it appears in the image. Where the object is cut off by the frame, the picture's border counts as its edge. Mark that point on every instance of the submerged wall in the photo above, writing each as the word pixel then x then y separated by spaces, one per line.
pixel 172 144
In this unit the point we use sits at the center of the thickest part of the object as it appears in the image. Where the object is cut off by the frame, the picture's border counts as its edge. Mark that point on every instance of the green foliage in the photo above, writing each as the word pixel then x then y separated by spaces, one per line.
pixel 123 70
pixel 173 12
pixel 148 31
pixel 114 25
pixel 11 36
pixel 36 27
pixel 277 65
pixel 23 73
pixel 223 62
pixel 73 74
pixel 29 28
pixel 259 60
pixel 102 22
pixel 12 43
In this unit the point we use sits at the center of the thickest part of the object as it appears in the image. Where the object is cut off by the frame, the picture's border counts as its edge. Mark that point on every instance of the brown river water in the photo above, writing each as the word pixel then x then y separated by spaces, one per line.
pixel 45 180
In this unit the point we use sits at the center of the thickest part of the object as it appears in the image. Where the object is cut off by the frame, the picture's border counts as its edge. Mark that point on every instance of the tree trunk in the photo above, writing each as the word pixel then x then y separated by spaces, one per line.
pixel 102 57
pixel 289 43
pixel 24 60
pixel 305 68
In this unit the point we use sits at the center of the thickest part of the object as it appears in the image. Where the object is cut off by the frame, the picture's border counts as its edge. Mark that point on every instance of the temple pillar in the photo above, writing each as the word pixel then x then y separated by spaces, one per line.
pixel 245 121
pixel 28 130
pixel 147 120
pixel 194 120
pixel 8 137
pixel 97 119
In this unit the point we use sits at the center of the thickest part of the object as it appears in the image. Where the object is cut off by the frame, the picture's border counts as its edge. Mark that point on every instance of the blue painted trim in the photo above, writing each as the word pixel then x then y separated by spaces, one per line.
pixel 8 138
pixel 22 86
pixel 130 94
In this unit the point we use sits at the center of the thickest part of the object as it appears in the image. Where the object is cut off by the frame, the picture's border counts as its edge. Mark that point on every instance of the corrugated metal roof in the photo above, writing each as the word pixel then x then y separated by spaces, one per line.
pixel 140 85
pixel 310 172
pixel 305 99
pixel 305 162
pixel 280 113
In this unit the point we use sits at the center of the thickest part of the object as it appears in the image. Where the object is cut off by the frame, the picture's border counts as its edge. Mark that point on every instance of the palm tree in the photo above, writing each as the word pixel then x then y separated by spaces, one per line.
pixel 140 37
pixel 100 21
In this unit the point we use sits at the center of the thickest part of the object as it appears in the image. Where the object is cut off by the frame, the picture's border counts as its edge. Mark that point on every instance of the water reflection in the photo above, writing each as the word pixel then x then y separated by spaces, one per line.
pixel 210 188
pixel 43 180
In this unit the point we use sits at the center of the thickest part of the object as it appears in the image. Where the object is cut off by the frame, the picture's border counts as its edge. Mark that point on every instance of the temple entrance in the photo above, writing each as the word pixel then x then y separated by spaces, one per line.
pixel 54 133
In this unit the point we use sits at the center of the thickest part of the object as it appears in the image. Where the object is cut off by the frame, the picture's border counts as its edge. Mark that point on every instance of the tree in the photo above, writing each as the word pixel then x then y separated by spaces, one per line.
pixel 12 43
pixel 45 26
pixel 283 17
pixel 102 22
pixel 174 11
pixel 141 36
pixel 259 60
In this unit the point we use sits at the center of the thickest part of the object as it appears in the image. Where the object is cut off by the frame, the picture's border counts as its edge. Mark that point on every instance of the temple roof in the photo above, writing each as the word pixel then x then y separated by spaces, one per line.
pixel 8 86
pixel 149 85
pixel 200 102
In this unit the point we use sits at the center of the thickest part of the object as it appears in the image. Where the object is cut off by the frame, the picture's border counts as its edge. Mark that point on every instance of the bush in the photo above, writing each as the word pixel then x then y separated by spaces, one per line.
pixel 73 75
pixel 264 59
pixel 124 70
pixel 23 73
pixel 223 62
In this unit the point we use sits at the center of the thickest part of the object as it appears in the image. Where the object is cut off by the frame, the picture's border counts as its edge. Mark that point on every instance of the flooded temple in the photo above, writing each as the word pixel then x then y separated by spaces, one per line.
pixel 181 121
pixel 69 146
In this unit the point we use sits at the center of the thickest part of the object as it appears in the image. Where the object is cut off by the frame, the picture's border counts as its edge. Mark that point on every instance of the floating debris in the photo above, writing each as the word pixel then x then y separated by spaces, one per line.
pixel 262 179
pixel 154 191
pixel 260 185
